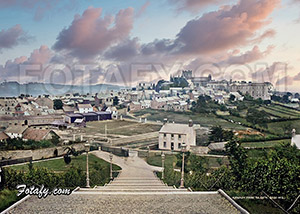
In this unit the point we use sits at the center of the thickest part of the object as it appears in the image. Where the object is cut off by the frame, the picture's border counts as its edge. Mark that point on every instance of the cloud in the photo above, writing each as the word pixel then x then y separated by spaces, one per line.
pixel 39 7
pixel 267 34
pixel 297 77
pixel 249 56
pixel 287 80
pixel 226 28
pixel 41 55
pixel 89 34
pixel 124 50
pixel 193 6
pixel 12 37
pixel 142 10
pixel 11 69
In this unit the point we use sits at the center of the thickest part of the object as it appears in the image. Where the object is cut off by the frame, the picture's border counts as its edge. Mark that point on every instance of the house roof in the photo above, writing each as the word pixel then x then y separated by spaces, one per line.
pixel 217 146
pixel 175 128
pixel 3 136
pixel 69 108
pixel 36 134
pixel 78 121
pixel 84 106
pixel 16 129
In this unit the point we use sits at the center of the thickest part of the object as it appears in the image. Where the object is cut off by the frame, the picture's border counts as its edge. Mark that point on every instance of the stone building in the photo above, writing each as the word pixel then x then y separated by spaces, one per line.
pixel 173 135
pixel 256 90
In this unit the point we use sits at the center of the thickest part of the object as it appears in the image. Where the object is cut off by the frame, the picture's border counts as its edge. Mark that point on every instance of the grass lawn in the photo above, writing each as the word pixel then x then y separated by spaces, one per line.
pixel 127 128
pixel 7 198
pixel 265 144
pixel 284 126
pixel 206 120
pixel 156 160
pixel 58 165
pixel 213 162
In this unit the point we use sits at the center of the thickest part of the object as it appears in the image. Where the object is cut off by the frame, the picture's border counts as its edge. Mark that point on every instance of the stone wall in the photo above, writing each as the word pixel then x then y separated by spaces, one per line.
pixel 38 153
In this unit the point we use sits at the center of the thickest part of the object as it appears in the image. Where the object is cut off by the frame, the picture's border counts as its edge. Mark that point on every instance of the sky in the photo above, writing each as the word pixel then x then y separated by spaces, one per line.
pixel 127 41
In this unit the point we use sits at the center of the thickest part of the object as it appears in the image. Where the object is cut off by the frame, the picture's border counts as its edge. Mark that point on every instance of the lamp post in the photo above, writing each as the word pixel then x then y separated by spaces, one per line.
pixel 183 147
pixel 163 165
pixel 87 149
pixel 110 158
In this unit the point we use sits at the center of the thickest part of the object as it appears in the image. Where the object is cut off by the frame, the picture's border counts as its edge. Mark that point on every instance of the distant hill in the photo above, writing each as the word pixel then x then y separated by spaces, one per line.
pixel 12 89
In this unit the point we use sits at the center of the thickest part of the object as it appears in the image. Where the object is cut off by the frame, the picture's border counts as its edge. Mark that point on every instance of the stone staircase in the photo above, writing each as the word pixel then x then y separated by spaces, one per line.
pixel 137 185
pixel 136 190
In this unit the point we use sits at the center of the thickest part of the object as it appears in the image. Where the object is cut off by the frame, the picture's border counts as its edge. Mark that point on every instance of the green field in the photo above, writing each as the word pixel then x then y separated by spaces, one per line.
pixel 114 127
pixel 284 127
pixel 170 160
pixel 206 120
pixel 265 144
pixel 58 165
pixel 156 160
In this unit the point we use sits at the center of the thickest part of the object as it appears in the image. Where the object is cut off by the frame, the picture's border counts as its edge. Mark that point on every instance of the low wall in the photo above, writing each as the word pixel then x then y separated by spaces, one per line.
pixel 119 151
pixel 39 153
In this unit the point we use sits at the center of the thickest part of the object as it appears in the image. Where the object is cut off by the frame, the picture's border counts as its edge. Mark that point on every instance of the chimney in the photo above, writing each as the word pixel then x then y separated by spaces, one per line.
pixel 165 120
pixel 191 123
pixel 293 132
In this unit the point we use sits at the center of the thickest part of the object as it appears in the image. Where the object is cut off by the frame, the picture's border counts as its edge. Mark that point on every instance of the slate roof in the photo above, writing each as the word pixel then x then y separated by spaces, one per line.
pixel 84 106
pixel 3 136
pixel 175 128
pixel 15 129
pixel 36 134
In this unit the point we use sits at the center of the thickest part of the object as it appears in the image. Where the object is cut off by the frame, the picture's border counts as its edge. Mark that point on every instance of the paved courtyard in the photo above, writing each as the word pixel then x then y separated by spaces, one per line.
pixel 135 190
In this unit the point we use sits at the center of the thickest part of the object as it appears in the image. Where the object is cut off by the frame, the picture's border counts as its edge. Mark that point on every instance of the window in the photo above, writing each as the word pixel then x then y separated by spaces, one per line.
pixel 179 145
pixel 179 136
pixel 165 135
pixel 172 135
pixel 165 144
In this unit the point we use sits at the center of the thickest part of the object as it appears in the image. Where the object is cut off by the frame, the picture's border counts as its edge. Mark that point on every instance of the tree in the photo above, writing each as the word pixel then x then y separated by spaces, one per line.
pixel 217 134
pixel 115 101
pixel 58 104
pixel 55 140
pixel 237 158
pixel 231 98
pixel 255 116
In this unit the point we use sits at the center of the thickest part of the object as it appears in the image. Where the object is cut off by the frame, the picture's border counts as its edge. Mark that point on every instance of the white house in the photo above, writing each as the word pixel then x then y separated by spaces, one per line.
pixel 15 131
pixel 173 135
pixel 85 108
pixel 295 139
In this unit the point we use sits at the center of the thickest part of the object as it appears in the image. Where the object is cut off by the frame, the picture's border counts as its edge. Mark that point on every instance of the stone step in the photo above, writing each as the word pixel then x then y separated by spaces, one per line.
pixel 134 190
pixel 135 187
pixel 136 180
pixel 136 184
